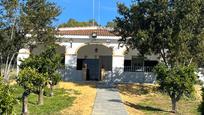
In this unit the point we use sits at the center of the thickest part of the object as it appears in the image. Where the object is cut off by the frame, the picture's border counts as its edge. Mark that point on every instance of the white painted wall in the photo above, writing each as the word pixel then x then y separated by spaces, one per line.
pixel 88 51
pixel 118 61
pixel 71 60
pixel 23 54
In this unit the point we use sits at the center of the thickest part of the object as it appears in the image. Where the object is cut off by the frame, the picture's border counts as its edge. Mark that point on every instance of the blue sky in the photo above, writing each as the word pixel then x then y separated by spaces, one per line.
pixel 82 10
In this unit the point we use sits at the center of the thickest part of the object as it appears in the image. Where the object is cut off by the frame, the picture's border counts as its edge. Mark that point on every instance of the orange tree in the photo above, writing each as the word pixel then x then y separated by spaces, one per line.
pixel 31 80
pixel 52 64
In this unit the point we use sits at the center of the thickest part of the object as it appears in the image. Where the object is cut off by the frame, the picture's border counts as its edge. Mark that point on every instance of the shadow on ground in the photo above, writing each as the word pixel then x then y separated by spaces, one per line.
pixel 115 100
pixel 146 108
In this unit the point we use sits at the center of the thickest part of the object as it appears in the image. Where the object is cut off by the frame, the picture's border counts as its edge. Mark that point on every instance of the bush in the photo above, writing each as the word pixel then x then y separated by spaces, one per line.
pixel 202 104
pixel 7 98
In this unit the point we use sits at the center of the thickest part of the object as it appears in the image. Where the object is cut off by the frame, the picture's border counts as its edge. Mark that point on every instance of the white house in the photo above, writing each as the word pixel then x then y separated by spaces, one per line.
pixel 93 53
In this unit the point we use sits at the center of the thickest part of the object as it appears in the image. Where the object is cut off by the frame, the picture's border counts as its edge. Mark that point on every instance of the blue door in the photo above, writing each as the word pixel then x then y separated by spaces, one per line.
pixel 92 69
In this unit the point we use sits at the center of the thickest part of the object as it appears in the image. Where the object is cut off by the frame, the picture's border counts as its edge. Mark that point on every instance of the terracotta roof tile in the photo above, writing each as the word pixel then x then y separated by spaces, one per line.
pixel 100 32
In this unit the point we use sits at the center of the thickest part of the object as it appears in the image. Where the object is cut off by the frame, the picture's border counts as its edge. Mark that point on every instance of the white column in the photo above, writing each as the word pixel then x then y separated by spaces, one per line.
pixel 118 58
pixel 117 67
pixel 23 54
pixel 70 60
pixel 70 57
pixel 118 61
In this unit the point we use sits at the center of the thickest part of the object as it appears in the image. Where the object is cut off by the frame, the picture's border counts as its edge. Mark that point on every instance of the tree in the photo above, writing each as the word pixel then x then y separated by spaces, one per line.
pixel 48 62
pixel 29 79
pixel 176 81
pixel 53 63
pixel 10 35
pixel 37 63
pixel 74 23
pixel 24 24
pixel 171 29
pixel 202 104
pixel 111 25
pixel 7 98
pixel 37 18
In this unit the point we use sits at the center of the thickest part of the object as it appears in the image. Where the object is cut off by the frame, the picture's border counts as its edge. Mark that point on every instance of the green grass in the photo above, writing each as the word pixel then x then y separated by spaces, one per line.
pixel 52 105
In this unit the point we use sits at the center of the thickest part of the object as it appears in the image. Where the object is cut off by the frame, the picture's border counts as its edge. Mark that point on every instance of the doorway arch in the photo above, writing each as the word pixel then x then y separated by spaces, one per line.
pixel 95 57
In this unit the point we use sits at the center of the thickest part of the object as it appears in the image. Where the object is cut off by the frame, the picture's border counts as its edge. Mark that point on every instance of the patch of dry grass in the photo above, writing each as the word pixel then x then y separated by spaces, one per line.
pixel 146 100
pixel 85 97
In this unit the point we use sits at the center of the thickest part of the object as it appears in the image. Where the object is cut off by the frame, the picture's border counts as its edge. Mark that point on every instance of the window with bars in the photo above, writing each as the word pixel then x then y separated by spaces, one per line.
pixel 139 64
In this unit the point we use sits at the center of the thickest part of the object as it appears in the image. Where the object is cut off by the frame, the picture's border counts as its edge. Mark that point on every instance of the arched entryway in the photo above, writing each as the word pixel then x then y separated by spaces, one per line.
pixel 94 57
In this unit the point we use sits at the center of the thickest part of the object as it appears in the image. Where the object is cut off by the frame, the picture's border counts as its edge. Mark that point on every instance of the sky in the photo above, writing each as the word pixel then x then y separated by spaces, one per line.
pixel 82 10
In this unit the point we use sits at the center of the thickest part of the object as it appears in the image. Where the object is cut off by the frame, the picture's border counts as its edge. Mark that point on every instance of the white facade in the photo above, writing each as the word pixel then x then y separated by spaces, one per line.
pixel 100 51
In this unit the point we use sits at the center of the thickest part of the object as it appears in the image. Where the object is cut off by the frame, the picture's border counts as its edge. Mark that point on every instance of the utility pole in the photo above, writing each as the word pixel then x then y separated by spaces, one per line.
pixel 93 12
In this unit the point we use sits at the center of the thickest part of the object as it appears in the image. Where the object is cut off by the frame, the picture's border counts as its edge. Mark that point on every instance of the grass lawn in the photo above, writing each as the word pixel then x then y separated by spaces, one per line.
pixel 146 100
pixel 52 105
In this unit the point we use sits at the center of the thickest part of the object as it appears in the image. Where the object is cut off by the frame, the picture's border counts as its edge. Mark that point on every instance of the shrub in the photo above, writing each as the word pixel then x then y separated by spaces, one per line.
pixel 7 98
pixel 202 104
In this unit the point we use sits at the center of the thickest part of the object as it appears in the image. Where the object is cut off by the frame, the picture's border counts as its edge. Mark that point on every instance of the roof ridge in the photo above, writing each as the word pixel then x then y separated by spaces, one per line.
pixel 84 28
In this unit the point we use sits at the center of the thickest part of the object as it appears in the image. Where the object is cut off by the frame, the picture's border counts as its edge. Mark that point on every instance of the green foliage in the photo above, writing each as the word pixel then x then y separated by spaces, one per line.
pixel 10 36
pixel 7 98
pixel 20 18
pixel 54 78
pixel 176 81
pixel 172 29
pixel 31 80
pixel 111 25
pixel 202 104
pixel 52 63
pixel 74 23
pixel 47 63
pixel 37 17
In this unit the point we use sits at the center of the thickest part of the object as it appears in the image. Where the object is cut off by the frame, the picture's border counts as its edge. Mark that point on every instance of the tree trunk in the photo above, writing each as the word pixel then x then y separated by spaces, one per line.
pixel 40 97
pixel 8 66
pixel 51 90
pixel 25 103
pixel 173 102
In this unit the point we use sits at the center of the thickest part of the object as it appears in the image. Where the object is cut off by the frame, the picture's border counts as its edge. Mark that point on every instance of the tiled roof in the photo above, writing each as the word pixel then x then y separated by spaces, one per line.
pixel 86 31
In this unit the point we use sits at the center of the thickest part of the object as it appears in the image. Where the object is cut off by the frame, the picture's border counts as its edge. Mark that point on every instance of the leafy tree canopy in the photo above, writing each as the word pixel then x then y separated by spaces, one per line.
pixel 48 62
pixel 74 23
pixel 37 17
pixel 111 24
pixel 172 29
pixel 24 24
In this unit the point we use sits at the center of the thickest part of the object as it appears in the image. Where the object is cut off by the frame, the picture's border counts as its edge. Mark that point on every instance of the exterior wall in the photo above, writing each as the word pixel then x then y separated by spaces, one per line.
pixel 118 61
pixel 88 51
pixel 23 54
pixel 71 74
pixel 118 76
